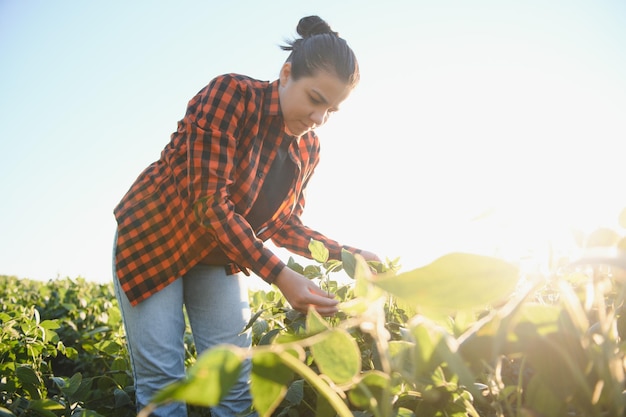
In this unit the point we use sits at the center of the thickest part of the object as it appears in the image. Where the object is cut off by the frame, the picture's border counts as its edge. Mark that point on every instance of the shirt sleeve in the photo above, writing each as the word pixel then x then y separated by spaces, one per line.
pixel 214 119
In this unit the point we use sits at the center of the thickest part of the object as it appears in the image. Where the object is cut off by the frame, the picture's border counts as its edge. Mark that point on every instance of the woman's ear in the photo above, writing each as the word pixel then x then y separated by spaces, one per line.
pixel 285 73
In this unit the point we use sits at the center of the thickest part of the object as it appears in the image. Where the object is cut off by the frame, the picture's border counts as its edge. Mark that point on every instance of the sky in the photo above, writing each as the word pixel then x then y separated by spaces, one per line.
pixel 484 126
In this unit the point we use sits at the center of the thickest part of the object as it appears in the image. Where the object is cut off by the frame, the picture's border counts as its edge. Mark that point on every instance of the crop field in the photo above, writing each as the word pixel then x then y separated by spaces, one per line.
pixel 466 335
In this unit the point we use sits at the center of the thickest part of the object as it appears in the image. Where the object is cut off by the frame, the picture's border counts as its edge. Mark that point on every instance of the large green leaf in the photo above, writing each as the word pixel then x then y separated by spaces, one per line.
pixel 268 382
pixel 455 281
pixel 337 355
pixel 213 375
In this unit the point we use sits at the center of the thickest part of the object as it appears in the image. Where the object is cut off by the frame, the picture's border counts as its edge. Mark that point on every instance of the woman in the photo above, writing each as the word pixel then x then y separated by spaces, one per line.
pixel 195 221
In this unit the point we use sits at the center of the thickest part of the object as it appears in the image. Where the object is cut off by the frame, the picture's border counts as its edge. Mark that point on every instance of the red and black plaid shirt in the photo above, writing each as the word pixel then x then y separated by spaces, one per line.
pixel 194 199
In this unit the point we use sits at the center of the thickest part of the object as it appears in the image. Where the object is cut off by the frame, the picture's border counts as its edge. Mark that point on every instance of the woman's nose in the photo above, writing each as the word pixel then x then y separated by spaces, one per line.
pixel 319 117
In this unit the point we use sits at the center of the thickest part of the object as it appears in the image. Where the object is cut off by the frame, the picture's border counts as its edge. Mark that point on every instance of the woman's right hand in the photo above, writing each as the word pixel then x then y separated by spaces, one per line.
pixel 302 293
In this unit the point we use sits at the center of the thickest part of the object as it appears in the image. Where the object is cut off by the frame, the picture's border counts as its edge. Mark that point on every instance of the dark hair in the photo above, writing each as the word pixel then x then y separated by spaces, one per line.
pixel 320 48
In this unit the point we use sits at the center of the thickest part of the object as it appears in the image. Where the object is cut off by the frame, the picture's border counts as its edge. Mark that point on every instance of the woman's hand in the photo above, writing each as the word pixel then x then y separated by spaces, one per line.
pixel 302 293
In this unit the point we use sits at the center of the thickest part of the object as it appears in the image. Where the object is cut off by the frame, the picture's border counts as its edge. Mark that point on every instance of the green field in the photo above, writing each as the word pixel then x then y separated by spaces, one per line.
pixel 466 335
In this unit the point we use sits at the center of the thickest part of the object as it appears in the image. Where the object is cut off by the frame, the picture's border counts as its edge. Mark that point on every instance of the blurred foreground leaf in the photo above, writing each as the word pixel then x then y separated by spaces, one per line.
pixel 455 281
pixel 213 375
pixel 337 354
pixel 269 381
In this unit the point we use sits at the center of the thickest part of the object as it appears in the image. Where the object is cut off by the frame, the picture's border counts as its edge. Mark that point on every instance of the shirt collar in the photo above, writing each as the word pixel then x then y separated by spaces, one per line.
pixel 272 107
pixel 272 102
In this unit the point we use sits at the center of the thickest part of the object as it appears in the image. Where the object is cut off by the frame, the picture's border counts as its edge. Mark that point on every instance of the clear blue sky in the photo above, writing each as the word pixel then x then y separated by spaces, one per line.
pixel 515 108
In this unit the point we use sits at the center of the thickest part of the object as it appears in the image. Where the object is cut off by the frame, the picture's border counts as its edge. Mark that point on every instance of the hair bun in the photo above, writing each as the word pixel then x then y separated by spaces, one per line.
pixel 313 25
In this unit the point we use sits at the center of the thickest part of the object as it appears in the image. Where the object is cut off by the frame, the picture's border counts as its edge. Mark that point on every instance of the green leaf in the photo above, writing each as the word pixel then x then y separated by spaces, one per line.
pixel 325 393
pixel 323 408
pixel 292 264
pixel 115 316
pixel 541 399
pixel 69 352
pixel 45 407
pixel 368 392
pixel 5 413
pixel 543 318
pixel 366 294
pixel 434 348
pixel 318 251
pixel 400 353
pixel 315 323
pixel 337 355
pixel 269 381
pixel 99 329
pixel 30 380
pixel 295 392
pixel 349 262
pixel 455 281
pixel 361 268
pixel 355 306
pixel 121 398
pixel 363 288
pixel 209 380
pixel 87 413
pixel 404 412
pixel 312 271
pixel 427 336
pixel 110 347
pixel 333 265
pixel 73 384
pixel 60 382
pixel 50 324
pixel 269 337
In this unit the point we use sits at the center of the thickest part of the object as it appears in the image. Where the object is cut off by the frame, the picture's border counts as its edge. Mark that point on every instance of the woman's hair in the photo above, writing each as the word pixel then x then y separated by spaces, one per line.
pixel 320 48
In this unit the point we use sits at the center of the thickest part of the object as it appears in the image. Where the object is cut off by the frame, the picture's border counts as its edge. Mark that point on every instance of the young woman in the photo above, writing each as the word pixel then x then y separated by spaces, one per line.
pixel 195 221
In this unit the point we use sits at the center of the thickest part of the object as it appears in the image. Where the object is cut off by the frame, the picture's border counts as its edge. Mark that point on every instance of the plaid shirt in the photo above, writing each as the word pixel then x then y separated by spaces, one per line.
pixel 194 200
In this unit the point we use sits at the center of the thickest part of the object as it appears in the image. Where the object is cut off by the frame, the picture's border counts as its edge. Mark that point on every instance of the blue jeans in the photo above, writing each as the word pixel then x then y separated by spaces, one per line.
pixel 218 310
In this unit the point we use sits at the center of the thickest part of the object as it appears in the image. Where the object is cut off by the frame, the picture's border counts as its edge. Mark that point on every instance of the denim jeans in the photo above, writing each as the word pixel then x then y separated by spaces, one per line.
pixel 218 310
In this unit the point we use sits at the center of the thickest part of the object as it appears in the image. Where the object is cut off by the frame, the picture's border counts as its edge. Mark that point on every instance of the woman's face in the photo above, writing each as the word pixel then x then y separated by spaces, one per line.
pixel 307 102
